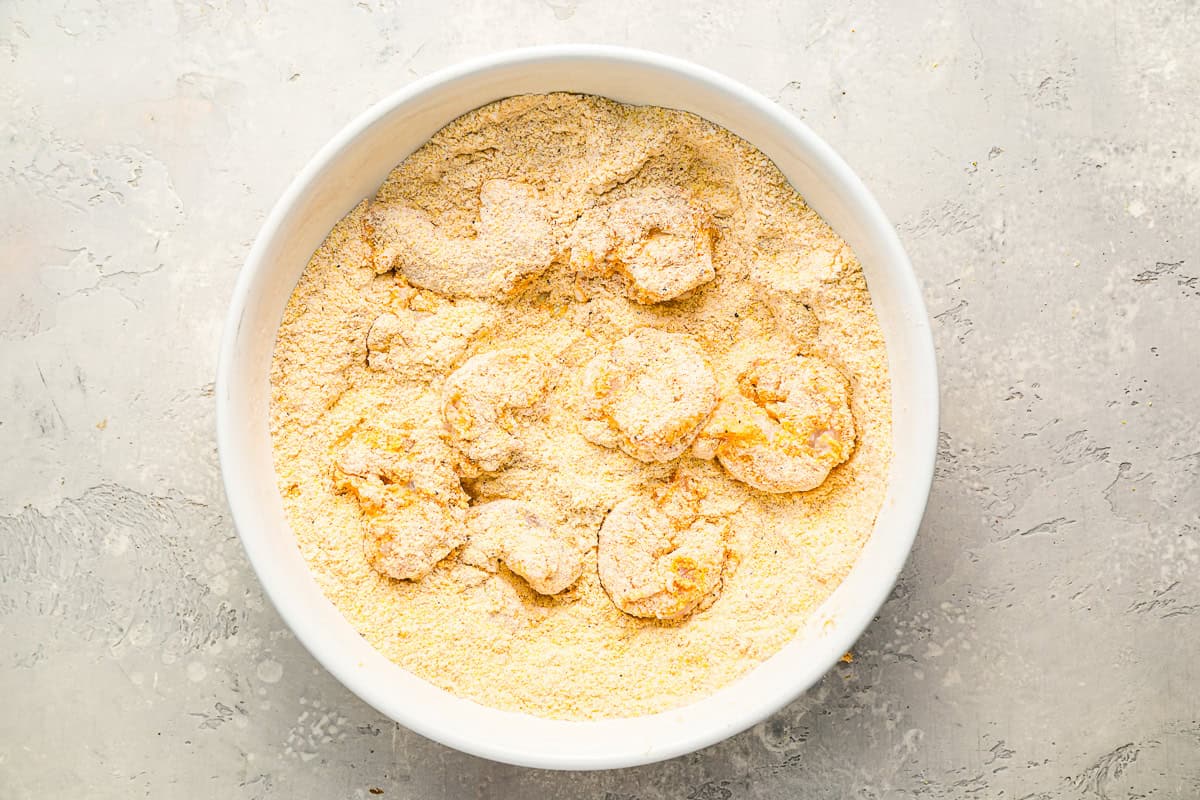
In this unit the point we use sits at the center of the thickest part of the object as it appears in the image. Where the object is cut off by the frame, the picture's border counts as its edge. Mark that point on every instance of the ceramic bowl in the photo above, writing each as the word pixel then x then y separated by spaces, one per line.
pixel 351 167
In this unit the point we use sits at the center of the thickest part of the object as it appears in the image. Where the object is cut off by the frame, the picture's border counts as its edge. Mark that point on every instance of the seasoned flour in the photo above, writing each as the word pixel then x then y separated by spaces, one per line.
pixel 569 376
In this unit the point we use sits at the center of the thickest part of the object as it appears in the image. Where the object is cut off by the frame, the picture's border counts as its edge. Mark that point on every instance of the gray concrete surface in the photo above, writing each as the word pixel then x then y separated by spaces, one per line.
pixel 1042 163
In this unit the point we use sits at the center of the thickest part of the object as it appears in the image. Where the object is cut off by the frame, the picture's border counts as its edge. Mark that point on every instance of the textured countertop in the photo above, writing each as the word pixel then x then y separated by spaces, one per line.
pixel 1042 164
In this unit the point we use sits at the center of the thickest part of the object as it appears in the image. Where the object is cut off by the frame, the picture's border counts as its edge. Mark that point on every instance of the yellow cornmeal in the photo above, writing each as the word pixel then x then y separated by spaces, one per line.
pixel 488 636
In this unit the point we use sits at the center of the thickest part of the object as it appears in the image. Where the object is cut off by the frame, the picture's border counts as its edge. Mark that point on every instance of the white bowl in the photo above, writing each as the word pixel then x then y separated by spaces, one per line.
pixel 351 167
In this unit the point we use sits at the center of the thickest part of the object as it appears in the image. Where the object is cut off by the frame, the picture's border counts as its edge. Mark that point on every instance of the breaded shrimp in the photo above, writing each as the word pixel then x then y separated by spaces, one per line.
pixel 660 242
pixel 424 334
pixel 413 505
pixel 658 557
pixel 512 532
pixel 514 243
pixel 649 395
pixel 486 401
pixel 787 426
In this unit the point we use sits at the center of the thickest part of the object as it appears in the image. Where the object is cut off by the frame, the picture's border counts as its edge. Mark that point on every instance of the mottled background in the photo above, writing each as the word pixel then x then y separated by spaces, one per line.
pixel 1042 163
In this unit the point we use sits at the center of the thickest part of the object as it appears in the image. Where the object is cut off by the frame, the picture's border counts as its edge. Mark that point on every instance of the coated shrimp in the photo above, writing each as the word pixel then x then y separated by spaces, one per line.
pixel 659 557
pixel 424 334
pixel 486 401
pixel 413 504
pixel 512 532
pixel 661 243
pixel 788 425
pixel 648 395
pixel 513 243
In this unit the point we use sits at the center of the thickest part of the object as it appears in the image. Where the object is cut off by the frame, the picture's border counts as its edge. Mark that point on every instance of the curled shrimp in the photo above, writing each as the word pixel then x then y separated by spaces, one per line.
pixel 787 426
pixel 659 557
pixel 513 533
pixel 648 395
pixel 486 401
pixel 659 241
pixel 424 334
pixel 513 243
pixel 412 502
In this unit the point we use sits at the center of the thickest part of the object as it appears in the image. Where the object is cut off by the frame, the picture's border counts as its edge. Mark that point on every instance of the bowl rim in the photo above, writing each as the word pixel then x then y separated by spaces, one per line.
pixel 922 354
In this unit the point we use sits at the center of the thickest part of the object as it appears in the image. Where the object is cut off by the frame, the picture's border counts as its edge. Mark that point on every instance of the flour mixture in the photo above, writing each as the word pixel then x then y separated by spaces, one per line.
pixel 584 413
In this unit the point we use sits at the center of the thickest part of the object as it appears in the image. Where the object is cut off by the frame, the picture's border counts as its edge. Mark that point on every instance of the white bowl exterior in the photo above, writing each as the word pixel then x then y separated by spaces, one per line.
pixel 352 167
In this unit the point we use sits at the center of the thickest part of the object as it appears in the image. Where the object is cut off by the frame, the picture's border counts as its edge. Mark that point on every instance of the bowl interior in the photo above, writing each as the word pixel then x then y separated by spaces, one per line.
pixel 350 168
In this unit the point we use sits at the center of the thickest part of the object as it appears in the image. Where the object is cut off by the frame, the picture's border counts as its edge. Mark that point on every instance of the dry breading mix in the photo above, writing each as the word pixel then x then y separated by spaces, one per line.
pixel 584 413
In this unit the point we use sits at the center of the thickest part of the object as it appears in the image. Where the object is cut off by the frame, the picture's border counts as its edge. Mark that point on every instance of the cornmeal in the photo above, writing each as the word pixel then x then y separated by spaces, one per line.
pixel 584 413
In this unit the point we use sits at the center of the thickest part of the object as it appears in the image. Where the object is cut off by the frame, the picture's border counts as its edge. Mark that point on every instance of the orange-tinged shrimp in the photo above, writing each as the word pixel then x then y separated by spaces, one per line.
pixel 786 428
pixel 659 557
pixel 487 400
pixel 413 504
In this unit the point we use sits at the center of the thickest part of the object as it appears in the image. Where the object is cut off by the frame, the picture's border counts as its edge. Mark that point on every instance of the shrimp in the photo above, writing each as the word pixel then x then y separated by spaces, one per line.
pixel 786 428
pixel 657 240
pixel 487 399
pixel 648 395
pixel 512 532
pixel 413 505
pixel 514 243
pixel 659 557
pixel 424 334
